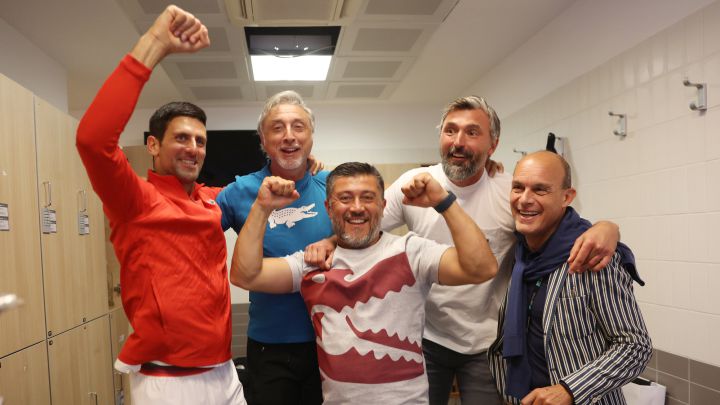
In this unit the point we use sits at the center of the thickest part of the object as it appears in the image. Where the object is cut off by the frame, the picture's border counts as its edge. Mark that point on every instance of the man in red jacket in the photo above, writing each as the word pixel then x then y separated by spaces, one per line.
pixel 166 232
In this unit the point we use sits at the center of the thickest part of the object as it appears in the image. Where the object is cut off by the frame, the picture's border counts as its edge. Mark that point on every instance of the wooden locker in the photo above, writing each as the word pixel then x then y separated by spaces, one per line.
pixel 91 245
pixel 75 291
pixel 20 266
pixel 81 366
pixel 61 274
pixel 100 361
pixel 24 377
pixel 69 381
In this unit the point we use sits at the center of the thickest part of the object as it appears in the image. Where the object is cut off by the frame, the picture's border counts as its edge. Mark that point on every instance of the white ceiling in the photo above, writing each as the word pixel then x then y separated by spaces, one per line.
pixel 394 50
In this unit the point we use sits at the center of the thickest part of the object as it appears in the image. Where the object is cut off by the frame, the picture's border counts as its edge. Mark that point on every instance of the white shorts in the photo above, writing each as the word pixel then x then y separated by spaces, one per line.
pixel 219 386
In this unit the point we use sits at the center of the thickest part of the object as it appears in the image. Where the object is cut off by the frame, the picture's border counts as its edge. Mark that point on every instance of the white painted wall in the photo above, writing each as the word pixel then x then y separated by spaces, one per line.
pixel 28 65
pixel 660 182
pixel 588 33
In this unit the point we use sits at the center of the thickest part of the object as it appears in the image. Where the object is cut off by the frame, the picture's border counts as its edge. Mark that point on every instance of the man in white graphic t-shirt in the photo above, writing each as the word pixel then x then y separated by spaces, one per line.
pixel 368 309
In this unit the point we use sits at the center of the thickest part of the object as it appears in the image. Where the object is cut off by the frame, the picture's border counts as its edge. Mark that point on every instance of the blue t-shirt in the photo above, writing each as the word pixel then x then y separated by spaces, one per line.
pixel 279 318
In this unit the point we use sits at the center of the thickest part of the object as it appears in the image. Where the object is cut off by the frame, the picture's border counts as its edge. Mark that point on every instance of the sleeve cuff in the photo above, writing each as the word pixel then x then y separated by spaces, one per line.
pixel 136 68
pixel 569 391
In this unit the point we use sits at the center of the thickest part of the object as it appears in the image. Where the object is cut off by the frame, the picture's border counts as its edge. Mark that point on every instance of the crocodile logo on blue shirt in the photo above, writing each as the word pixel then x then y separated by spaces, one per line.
pixel 289 216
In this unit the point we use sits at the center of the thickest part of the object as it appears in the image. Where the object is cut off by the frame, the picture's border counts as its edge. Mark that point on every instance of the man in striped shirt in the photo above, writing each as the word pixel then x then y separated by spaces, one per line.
pixel 563 338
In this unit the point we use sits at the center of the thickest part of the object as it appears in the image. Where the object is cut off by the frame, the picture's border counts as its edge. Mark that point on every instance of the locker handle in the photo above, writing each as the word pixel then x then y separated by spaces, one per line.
pixel 82 201
pixel 47 187
pixel 94 395
pixel 121 389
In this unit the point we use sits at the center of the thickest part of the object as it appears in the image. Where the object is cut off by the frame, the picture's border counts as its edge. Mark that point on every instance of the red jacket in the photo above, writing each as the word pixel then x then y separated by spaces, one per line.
pixel 171 247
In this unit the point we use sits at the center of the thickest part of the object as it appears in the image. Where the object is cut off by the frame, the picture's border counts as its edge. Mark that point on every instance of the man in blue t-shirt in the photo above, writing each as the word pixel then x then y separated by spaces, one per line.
pixel 282 360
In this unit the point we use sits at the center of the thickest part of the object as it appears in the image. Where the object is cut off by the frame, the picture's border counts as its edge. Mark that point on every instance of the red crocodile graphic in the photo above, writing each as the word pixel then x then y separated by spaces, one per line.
pixel 336 292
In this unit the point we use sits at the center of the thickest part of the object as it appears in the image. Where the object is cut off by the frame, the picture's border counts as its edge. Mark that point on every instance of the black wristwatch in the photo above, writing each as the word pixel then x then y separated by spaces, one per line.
pixel 445 203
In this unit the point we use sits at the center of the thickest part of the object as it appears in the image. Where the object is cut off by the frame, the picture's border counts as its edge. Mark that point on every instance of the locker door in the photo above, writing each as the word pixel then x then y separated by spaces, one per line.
pixel 24 376
pixel 64 274
pixel 20 265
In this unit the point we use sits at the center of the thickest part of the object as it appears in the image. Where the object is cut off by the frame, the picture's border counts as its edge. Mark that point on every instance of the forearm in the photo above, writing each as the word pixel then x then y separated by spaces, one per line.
pixel 474 254
pixel 149 50
pixel 609 227
pixel 247 258
pixel 604 375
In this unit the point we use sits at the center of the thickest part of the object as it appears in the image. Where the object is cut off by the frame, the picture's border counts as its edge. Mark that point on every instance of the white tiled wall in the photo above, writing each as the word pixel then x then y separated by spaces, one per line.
pixel 661 183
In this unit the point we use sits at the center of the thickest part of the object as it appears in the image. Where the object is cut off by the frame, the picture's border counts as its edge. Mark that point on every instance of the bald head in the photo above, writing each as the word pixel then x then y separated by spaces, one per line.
pixel 551 160
pixel 541 191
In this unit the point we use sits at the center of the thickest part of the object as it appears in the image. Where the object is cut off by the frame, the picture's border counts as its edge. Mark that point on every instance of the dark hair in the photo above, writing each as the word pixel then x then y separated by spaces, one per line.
pixel 165 114
pixel 354 169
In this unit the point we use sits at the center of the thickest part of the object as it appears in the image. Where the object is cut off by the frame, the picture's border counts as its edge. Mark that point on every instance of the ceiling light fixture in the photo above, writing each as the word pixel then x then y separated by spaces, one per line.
pixel 301 68
pixel 291 53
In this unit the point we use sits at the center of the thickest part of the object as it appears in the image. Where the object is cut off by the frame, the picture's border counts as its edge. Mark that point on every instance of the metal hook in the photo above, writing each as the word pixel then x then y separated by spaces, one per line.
pixel 701 103
pixel 522 152
pixel 621 130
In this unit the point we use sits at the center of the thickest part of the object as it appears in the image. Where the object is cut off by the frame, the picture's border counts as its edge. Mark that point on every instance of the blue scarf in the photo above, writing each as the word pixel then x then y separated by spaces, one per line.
pixel 528 269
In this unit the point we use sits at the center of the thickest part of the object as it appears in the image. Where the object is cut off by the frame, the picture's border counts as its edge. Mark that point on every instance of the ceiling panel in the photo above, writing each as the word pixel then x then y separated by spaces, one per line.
pixel 155 7
pixel 359 90
pixel 207 70
pixel 412 11
pixel 218 39
pixel 403 7
pixel 370 69
pixel 217 92
pixel 293 10
pixel 386 39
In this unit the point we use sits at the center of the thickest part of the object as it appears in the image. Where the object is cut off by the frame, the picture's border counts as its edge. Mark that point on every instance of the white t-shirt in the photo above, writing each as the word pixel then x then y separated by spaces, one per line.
pixel 462 318
pixel 368 312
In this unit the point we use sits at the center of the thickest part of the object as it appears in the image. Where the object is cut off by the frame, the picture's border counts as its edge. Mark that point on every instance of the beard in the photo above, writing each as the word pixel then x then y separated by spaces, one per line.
pixel 291 164
pixel 185 174
pixel 461 171
pixel 348 240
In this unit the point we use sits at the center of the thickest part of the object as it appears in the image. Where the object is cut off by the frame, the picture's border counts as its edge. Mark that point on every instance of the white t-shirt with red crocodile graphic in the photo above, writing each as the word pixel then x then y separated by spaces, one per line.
pixel 368 312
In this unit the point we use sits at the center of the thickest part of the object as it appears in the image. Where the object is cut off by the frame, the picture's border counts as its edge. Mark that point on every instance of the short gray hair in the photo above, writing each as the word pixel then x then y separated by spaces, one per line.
pixel 474 103
pixel 285 97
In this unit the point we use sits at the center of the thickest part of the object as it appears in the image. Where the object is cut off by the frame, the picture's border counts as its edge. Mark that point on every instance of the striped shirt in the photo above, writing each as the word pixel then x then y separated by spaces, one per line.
pixel 595 337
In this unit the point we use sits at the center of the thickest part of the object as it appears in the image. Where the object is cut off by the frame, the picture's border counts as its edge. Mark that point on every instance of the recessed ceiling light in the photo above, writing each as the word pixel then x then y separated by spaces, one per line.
pixel 300 68
pixel 291 53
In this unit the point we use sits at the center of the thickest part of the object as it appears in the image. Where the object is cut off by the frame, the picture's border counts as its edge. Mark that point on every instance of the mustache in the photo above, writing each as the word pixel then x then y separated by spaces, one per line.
pixel 355 215
pixel 459 150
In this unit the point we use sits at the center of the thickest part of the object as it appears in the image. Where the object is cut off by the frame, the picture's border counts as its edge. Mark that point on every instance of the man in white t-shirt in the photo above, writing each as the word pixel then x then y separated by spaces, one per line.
pixel 368 309
pixel 461 322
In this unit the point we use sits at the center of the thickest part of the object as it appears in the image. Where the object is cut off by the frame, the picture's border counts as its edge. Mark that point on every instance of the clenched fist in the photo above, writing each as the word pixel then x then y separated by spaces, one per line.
pixel 423 191
pixel 276 192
